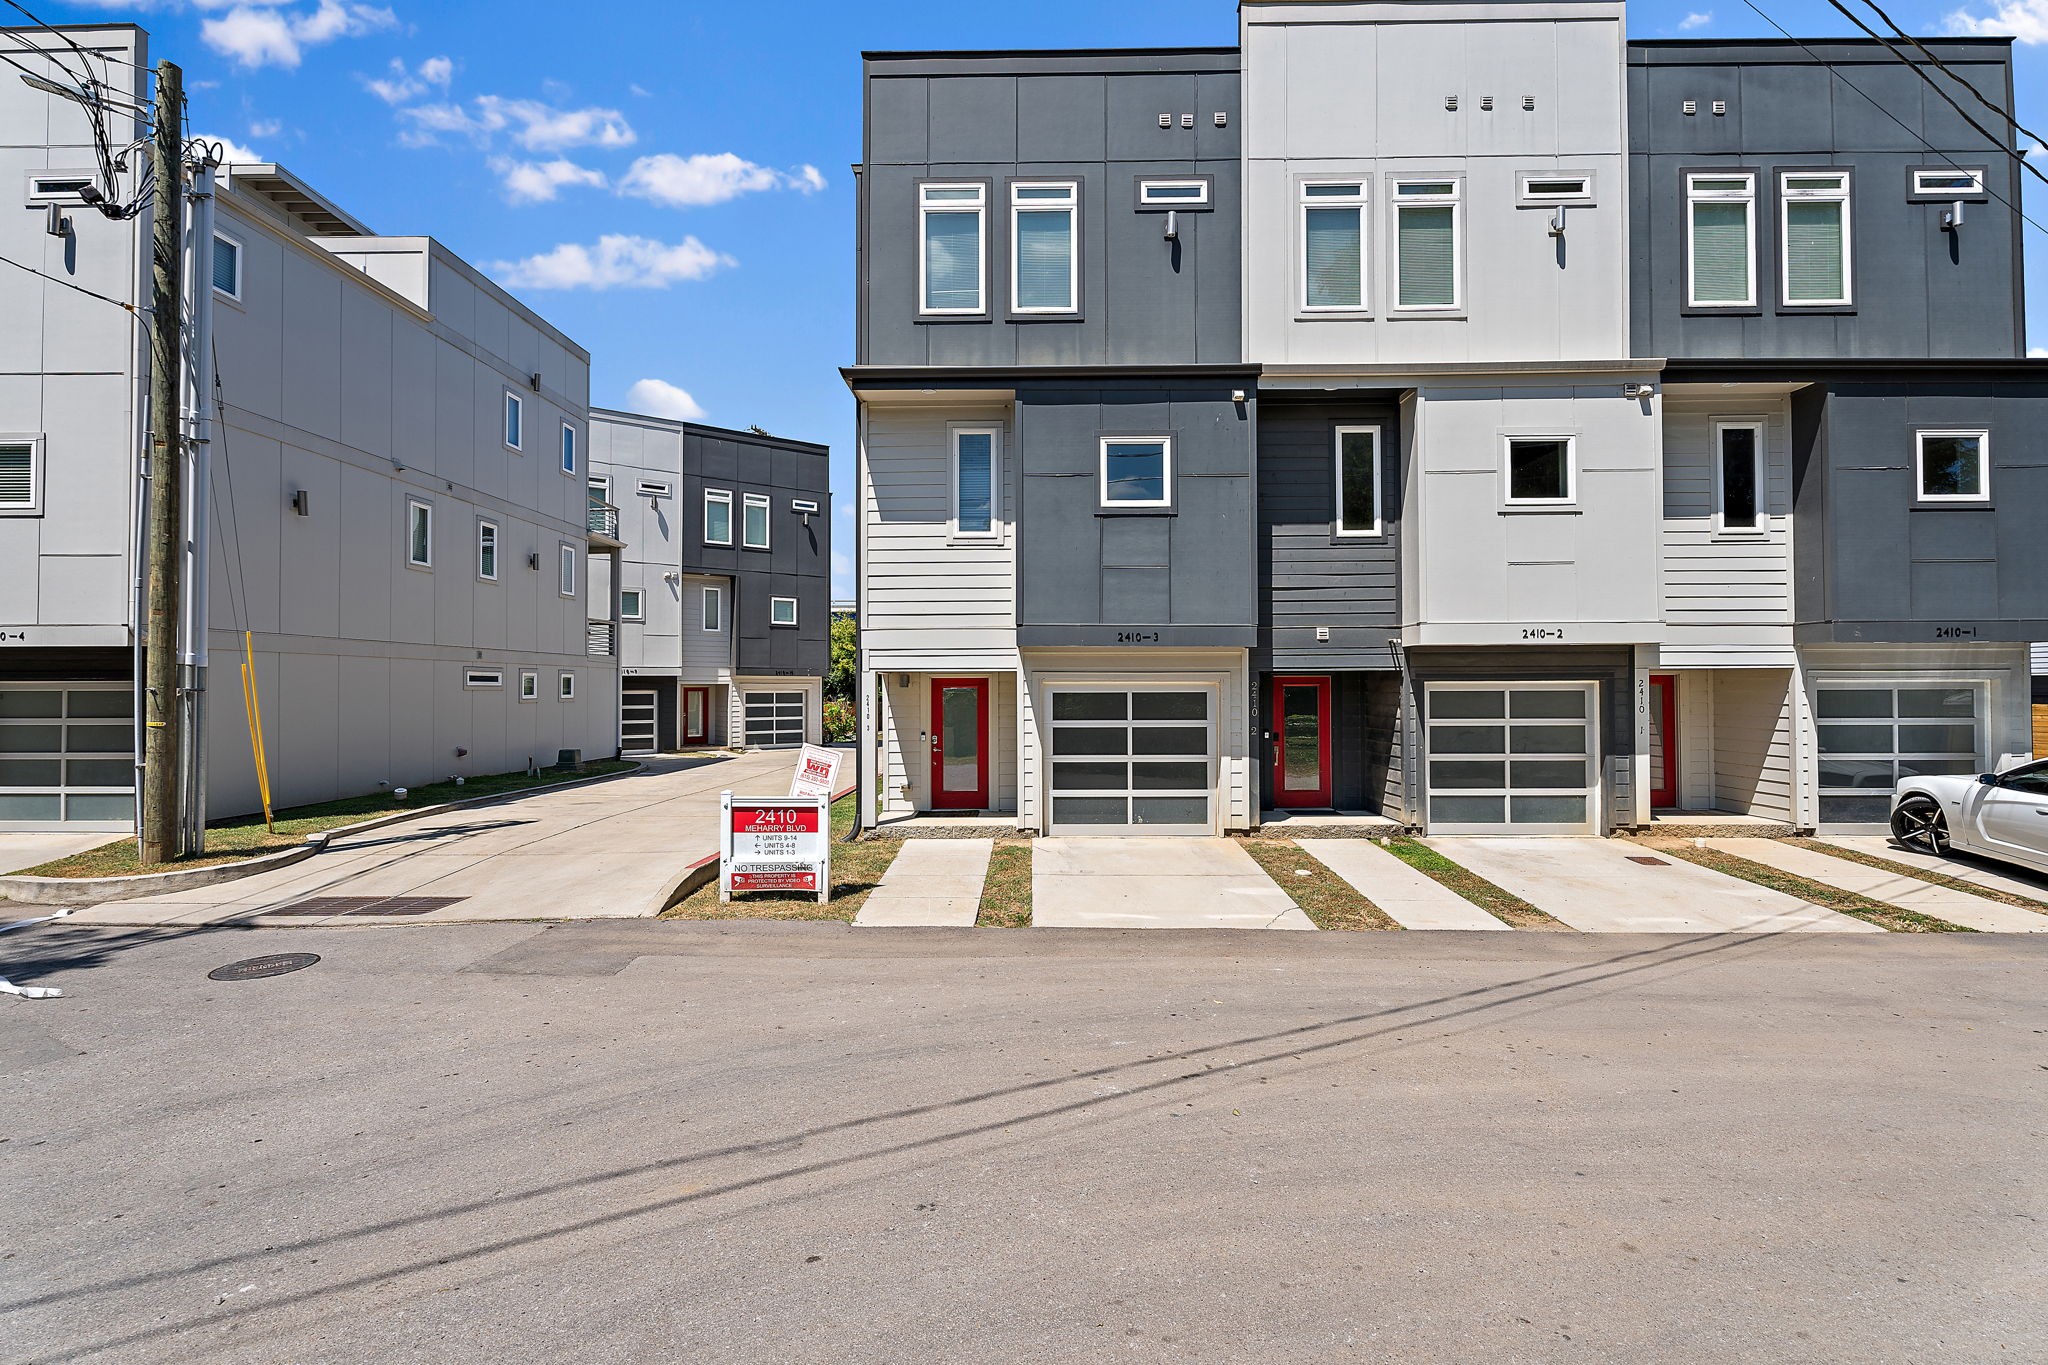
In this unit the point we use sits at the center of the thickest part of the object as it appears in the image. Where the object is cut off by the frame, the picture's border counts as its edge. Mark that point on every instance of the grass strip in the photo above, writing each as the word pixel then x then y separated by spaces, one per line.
pixel 1502 904
pixel 243 836
pixel 1006 895
pixel 1815 893
pixel 1854 855
pixel 857 869
pixel 1327 899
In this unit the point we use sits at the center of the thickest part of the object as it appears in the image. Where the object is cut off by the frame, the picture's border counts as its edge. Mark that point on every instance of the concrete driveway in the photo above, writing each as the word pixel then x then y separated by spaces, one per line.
pixel 606 850
pixel 1113 883
pixel 18 851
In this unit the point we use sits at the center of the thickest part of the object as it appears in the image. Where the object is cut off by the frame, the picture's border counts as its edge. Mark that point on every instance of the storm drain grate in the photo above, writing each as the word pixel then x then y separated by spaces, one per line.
pixel 366 905
pixel 256 968
pixel 1648 862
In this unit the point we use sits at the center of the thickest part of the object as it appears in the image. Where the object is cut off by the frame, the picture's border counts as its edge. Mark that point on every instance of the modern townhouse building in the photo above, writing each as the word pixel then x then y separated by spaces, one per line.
pixel 398 497
pixel 724 581
pixel 1855 464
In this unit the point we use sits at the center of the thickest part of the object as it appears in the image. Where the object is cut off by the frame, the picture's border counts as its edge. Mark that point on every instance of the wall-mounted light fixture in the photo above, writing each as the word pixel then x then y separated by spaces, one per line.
pixel 302 502
pixel 1557 221
pixel 1173 225
pixel 1638 391
pixel 1952 216
pixel 533 560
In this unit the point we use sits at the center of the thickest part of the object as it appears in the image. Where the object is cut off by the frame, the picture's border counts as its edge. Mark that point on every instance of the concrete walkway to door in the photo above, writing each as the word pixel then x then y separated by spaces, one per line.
pixel 1150 883
pixel 608 850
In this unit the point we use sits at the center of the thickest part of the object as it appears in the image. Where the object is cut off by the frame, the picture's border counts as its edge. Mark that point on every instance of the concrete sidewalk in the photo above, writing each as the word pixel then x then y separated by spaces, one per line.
pixel 1908 893
pixel 932 884
pixel 1141 883
pixel 1595 885
pixel 1411 899
pixel 18 851
pixel 606 850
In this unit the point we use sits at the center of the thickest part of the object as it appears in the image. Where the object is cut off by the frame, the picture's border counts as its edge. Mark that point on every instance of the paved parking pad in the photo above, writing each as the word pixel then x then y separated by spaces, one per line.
pixel 1600 886
pixel 1411 899
pixel 932 883
pixel 1140 883
pixel 1908 893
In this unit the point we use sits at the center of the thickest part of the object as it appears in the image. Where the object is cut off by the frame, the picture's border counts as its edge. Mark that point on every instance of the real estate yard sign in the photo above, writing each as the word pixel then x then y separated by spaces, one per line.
pixel 817 772
pixel 775 844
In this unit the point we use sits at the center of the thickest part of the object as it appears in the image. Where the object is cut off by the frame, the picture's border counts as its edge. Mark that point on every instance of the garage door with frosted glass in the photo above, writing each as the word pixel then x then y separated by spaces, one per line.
pixel 1128 761
pixel 774 720
pixel 67 757
pixel 1512 759
pixel 1872 736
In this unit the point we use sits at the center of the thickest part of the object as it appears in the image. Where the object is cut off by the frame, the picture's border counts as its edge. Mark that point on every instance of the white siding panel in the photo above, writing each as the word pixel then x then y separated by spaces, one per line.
pixel 1722 591
pixel 1753 765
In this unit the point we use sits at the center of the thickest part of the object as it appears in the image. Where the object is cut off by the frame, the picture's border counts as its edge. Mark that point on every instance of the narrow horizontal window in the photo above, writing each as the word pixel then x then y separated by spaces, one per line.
pixel 1173 193
pixel 1953 466
pixel 1333 245
pixel 650 488
pixel 1540 470
pixel 1555 189
pixel 1137 473
pixel 951 247
pixel 1963 182
pixel 1721 241
pixel 1426 246
pixel 782 611
pixel 483 677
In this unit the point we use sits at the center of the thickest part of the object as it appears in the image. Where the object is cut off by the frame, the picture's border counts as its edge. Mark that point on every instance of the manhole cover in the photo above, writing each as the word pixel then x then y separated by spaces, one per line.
pixel 256 968
pixel 1648 862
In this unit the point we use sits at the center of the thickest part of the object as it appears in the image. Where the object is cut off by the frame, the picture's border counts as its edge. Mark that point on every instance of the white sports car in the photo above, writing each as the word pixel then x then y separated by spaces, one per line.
pixel 1998 815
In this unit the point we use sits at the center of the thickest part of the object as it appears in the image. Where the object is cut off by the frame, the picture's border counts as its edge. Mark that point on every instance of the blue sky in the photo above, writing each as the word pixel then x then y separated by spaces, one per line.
pixel 668 182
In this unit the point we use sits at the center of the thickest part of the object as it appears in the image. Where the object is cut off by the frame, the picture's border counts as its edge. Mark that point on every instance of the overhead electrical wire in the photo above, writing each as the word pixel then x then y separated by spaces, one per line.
pixel 74 288
pixel 1943 67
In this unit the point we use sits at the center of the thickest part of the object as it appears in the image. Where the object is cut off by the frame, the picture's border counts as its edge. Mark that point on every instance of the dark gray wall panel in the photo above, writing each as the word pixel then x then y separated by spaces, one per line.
pixel 798 561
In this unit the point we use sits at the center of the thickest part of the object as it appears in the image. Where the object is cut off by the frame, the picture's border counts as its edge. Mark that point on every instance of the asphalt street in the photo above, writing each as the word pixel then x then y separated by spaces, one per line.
pixel 643 1141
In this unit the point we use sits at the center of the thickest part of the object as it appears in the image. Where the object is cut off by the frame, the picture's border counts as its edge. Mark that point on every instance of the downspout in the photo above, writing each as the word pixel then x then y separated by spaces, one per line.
pixel 864 701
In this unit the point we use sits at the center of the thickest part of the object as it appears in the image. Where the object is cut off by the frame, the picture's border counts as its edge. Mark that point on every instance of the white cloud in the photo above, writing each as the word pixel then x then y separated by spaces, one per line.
pixel 536 126
pixel 1696 19
pixel 707 178
pixel 615 262
pixel 659 398
pixel 538 182
pixel 2037 352
pixel 400 85
pixel 232 153
pixel 265 127
pixel 262 33
pixel 2026 20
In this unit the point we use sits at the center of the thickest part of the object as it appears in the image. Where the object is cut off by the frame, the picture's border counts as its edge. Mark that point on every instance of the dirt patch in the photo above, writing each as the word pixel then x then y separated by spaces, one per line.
pixel 1502 904
pixel 1327 899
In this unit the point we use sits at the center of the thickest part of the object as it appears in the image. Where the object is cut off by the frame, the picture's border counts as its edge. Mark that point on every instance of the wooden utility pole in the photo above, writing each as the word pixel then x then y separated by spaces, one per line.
pixel 160 749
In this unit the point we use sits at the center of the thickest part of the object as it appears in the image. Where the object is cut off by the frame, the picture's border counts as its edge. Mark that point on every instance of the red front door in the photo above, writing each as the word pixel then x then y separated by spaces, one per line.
pixel 1663 740
pixel 959 739
pixel 696 715
pixel 1301 742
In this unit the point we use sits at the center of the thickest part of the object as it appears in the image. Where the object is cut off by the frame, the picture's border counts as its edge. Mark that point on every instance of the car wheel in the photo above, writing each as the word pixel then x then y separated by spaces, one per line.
pixel 1918 823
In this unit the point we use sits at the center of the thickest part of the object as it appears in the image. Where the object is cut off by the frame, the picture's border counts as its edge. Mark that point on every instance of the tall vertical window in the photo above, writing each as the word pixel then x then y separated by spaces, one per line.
pixel 1426 250
pixel 1045 256
pixel 754 522
pixel 1952 466
pixel 1814 237
pixel 717 516
pixel 1739 481
pixel 515 410
pixel 568 449
pixel 1720 225
pixel 419 535
pixel 976 456
pixel 569 557
pixel 951 237
pixel 1332 245
pixel 712 601
pixel 227 266
pixel 487 551
pixel 1358 481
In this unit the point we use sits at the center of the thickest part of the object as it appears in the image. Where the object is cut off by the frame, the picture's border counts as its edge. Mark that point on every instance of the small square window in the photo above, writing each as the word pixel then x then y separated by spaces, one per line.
pixel 1953 466
pixel 782 611
pixel 717 517
pixel 1539 470
pixel 515 410
pixel 565 687
pixel 568 449
pixel 529 685
pixel 419 537
pixel 227 266
pixel 21 482
pixel 630 604
pixel 1137 472
pixel 570 554
pixel 754 522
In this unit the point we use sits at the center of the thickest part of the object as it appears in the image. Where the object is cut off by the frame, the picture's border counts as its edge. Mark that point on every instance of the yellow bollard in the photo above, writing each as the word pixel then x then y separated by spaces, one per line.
pixel 253 707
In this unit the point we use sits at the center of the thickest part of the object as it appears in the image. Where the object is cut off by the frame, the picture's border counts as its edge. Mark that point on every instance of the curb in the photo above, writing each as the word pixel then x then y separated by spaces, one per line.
pixel 80 891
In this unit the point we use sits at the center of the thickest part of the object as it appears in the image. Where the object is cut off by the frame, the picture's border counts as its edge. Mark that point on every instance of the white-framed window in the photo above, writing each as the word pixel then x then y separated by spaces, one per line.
pixel 1952 466
pixel 711 605
pixel 1541 470
pixel 529 685
pixel 61 187
pixel 632 607
pixel 754 521
pixel 487 551
pixel 1948 182
pixel 569 555
pixel 419 534
pixel 568 449
pixel 227 266
pixel 653 488
pixel 1428 255
pixel 1554 187
pixel 1137 471
pixel 976 482
pixel 515 415
pixel 1741 479
pixel 782 611
pixel 484 677
pixel 717 516
pixel 565 687
pixel 1813 238
pixel 1356 466
pixel 1720 226
pixel 1045 250
pixel 21 474
pixel 1192 192
pixel 952 245
pixel 1332 245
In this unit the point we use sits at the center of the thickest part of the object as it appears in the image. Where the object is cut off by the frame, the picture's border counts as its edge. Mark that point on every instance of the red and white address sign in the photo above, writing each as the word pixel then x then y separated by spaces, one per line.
pixel 775 844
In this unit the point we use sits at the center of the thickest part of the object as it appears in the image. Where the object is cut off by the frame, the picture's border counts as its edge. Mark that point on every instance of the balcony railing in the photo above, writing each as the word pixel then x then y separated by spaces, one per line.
pixel 601 643
pixel 604 520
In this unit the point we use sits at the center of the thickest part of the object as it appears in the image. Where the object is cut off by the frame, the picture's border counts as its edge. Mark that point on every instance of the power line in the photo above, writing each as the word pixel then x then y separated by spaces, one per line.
pixel 75 288
pixel 1942 67
pixel 2018 212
